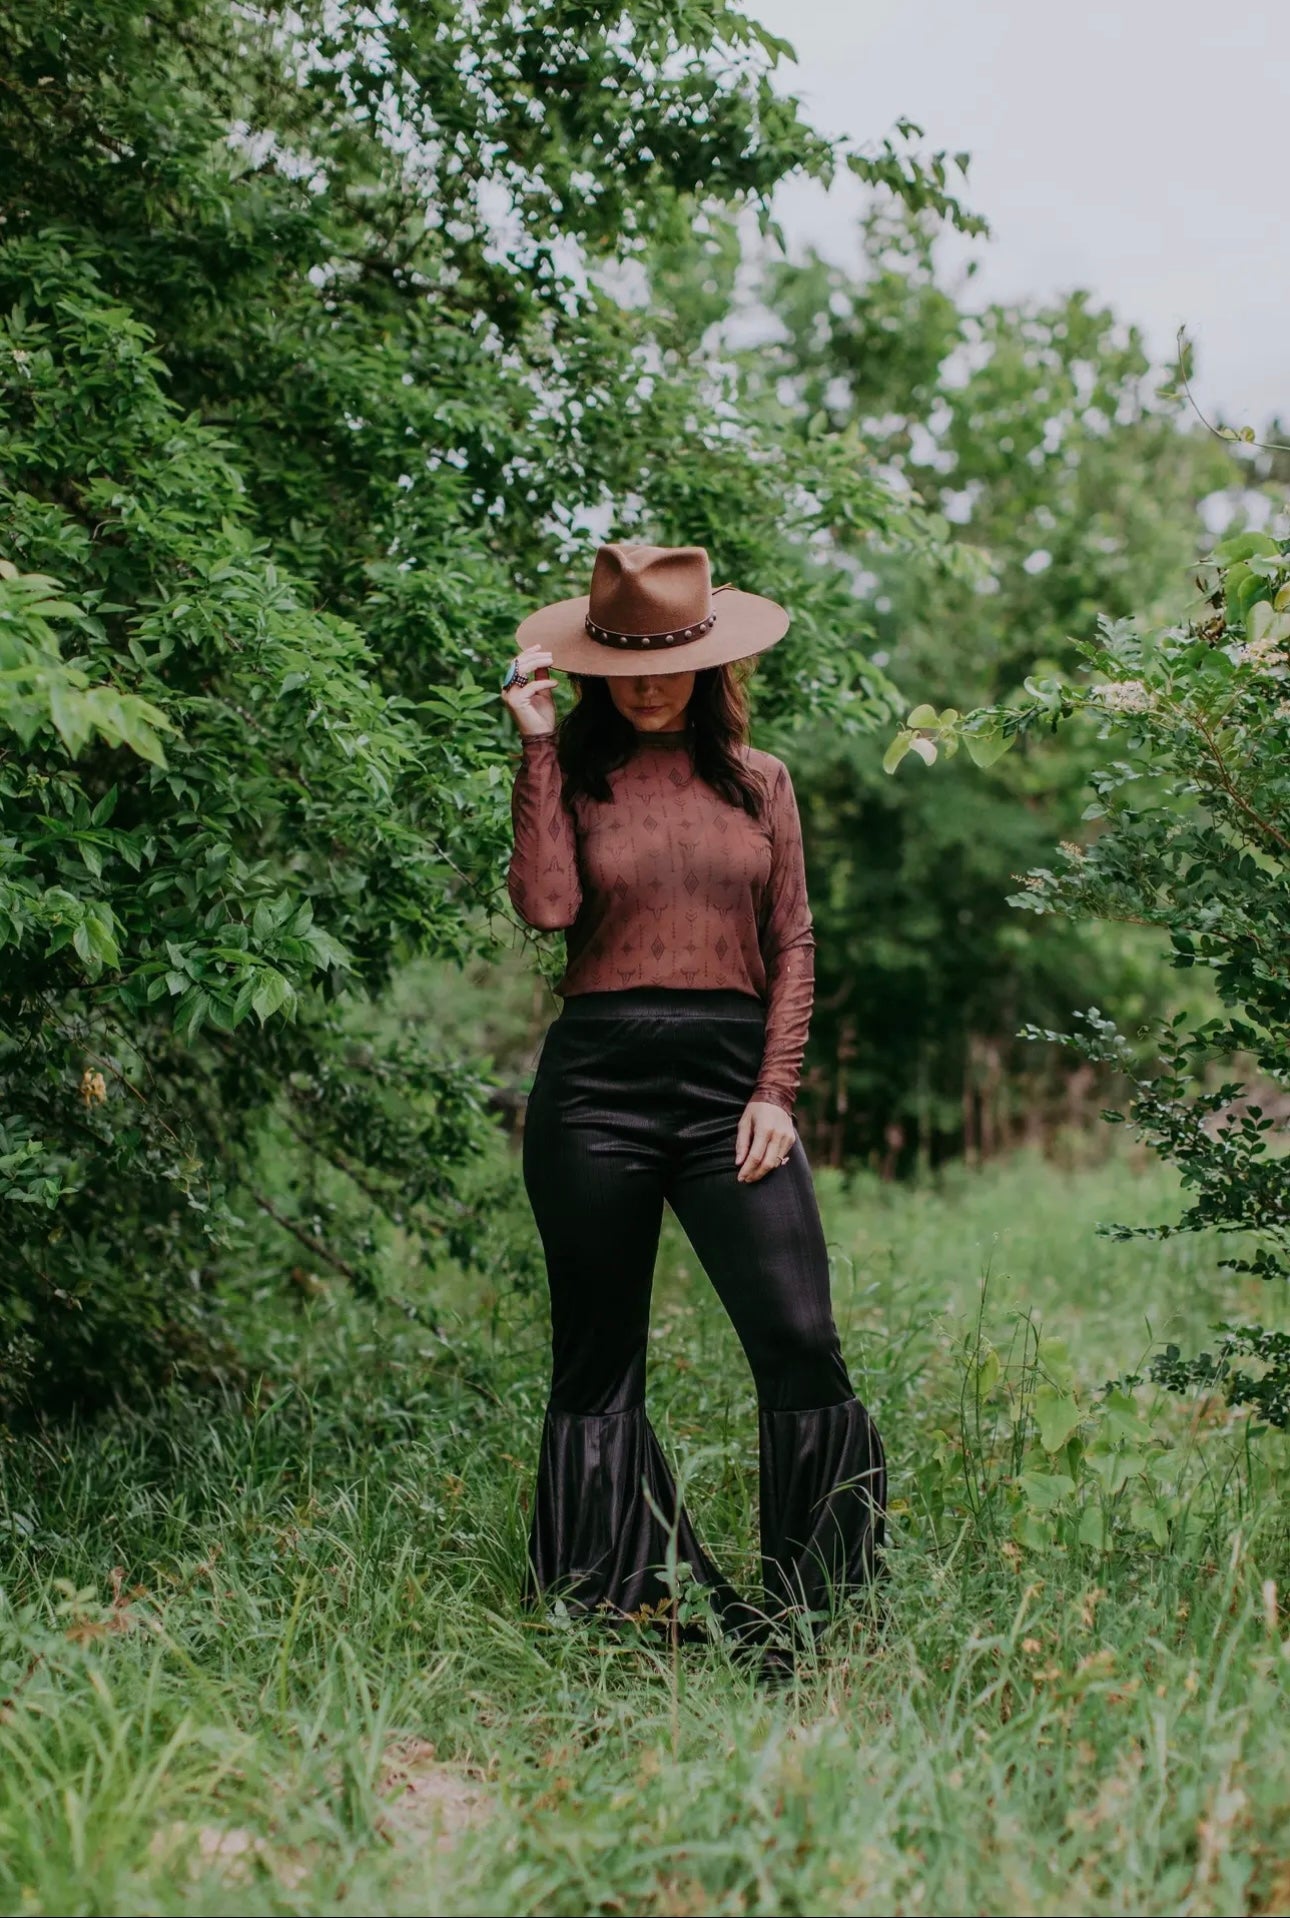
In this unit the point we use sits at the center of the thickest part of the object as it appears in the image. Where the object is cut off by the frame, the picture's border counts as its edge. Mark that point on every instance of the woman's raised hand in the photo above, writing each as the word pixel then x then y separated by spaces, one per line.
pixel 529 692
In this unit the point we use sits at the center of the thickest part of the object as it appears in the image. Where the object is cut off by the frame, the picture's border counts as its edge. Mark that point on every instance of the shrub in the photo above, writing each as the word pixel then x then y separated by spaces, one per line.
pixel 1191 835
pixel 311 373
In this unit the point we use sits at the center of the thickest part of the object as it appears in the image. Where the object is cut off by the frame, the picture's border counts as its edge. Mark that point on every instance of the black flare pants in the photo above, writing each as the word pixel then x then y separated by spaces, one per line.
pixel 637 1100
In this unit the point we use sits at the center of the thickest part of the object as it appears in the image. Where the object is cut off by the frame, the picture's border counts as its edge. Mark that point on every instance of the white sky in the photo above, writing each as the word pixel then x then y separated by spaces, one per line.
pixel 1140 151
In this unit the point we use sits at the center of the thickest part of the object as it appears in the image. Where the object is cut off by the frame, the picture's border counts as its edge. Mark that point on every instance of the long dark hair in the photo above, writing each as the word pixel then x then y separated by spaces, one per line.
pixel 595 738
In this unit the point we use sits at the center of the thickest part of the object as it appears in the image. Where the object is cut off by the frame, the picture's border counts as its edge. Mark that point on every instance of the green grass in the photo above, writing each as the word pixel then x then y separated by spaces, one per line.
pixel 320 1584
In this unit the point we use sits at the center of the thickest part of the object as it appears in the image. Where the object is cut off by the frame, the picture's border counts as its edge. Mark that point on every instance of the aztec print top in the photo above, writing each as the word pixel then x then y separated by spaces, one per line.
pixel 667 884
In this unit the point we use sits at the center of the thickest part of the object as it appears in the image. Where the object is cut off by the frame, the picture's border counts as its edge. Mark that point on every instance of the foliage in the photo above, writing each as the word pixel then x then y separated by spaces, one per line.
pixel 1054 1465
pixel 1030 428
pixel 268 1654
pixel 922 972
pixel 1191 836
pixel 1065 485
pixel 318 359
pixel 1263 1385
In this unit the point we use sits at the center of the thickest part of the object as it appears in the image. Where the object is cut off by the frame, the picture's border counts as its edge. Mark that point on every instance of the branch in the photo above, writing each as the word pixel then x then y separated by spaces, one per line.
pixel 1228 437
pixel 311 1244
pixel 1225 780
pixel 342 1163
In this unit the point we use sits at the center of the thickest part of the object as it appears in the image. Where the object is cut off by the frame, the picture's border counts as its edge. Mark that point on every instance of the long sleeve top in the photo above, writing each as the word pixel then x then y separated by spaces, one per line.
pixel 667 884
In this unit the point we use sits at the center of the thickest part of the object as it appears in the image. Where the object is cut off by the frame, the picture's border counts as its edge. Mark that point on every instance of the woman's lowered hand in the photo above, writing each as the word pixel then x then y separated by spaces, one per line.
pixel 764 1140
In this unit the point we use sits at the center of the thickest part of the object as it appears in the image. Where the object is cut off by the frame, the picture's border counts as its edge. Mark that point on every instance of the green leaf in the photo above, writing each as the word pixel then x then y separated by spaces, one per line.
pixel 328 951
pixel 69 712
pixel 271 993
pixel 1036 1533
pixel 102 931
pixel 57 609
pixel 899 746
pixel 984 748
pixel 1092 1528
pixel 105 808
pixel 989 1367
pixel 84 945
pixel 921 717
pixel 1113 1469
pixel 1149 1517
pixel 1123 1418
pixel 1056 1415
pixel 1245 546
pixel 1237 577
pixel 986 745
pixel 1055 1363
pixel 138 722
pixel 242 1000
pixel 1267 625
pixel 1043 1491
pixel 190 1014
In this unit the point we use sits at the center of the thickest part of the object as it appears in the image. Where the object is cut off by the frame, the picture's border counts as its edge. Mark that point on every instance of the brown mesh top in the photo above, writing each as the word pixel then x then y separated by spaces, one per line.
pixel 669 885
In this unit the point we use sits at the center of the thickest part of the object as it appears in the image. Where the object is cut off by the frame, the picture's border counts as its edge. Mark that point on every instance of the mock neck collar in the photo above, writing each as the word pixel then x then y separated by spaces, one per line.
pixel 664 742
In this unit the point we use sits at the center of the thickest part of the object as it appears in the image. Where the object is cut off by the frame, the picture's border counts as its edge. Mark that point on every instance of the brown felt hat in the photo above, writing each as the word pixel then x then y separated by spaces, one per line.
pixel 652 609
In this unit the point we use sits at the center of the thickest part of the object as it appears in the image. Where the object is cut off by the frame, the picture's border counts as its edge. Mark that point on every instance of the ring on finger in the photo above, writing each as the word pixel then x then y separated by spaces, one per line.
pixel 514 677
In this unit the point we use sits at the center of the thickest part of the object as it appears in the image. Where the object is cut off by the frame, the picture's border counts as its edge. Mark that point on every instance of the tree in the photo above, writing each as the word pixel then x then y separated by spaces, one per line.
pixel 313 369
pixel 1067 486
pixel 1191 812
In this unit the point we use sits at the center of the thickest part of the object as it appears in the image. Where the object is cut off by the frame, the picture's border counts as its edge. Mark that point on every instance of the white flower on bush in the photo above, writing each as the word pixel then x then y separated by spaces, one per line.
pixel 1123 696
pixel 1266 655
pixel 1264 649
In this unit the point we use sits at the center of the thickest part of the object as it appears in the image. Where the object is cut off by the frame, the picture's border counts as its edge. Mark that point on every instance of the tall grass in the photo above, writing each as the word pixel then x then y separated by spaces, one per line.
pixel 223 1630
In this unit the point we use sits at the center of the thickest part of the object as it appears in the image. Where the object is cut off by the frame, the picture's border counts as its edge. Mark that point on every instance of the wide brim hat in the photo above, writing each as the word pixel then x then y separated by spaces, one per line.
pixel 652 609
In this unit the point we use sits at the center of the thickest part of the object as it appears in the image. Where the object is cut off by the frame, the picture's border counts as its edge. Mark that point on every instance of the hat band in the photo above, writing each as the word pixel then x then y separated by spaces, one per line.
pixel 609 637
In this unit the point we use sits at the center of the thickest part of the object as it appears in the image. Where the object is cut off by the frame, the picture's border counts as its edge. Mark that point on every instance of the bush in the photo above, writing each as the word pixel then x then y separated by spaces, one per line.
pixel 297 432
pixel 1191 835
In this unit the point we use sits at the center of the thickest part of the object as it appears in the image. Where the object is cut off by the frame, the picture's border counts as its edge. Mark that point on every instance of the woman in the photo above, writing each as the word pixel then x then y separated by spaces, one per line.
pixel 670 854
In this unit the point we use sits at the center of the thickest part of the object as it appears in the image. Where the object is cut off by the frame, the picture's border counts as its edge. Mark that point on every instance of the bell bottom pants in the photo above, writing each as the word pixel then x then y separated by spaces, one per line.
pixel 636 1101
